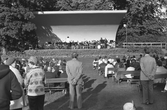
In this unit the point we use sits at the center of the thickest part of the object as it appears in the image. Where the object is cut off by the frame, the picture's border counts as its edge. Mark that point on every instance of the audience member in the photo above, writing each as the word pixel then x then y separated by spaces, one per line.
pixel 74 71
pixel 105 59
pixel 128 61
pixel 63 74
pixel 100 60
pixel 95 63
pixel 34 82
pixel 160 70
pixel 101 68
pixel 148 70
pixel 129 106
pixel 18 103
pixel 119 66
pixel 135 64
pixel 109 65
pixel 129 69
pixel 10 88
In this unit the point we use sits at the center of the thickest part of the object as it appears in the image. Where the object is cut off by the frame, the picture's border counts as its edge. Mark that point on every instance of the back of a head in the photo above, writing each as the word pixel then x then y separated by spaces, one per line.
pixel 146 51
pixel 128 106
pixel 10 61
pixel 74 55
pixel 159 63
pixel 33 60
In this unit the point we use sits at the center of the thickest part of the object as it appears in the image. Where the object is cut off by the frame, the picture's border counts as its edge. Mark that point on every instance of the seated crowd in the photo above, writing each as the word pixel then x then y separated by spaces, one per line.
pixel 31 74
pixel 126 63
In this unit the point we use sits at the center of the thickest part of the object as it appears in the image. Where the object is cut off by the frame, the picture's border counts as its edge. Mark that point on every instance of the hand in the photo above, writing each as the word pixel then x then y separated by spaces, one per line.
pixel 73 82
pixel 150 77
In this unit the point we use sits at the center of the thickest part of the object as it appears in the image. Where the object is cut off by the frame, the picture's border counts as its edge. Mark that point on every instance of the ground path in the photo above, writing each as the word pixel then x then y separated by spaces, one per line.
pixel 105 94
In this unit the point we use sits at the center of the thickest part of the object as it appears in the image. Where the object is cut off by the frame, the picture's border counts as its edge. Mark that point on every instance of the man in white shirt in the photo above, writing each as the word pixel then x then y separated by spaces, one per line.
pixel 109 65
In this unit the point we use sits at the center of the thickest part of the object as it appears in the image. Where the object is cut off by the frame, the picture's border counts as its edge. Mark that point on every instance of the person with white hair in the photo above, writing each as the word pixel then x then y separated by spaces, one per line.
pixel 129 106
pixel 34 83
pixel 109 65
pixel 100 60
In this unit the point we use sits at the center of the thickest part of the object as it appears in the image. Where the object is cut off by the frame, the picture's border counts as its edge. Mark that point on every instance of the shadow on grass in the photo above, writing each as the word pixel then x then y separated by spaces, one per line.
pixel 139 108
pixel 91 96
pixel 88 94
pixel 87 82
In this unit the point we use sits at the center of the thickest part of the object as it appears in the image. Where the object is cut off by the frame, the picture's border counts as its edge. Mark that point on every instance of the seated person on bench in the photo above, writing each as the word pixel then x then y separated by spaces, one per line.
pixel 129 69
pixel 109 65
pixel 101 68
pixel 119 66
pixel 160 70
pixel 95 63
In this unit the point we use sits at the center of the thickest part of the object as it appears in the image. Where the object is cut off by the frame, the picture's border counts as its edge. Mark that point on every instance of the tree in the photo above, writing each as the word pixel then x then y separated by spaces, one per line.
pixel 16 30
pixel 67 5
pixel 120 4
pixel 143 22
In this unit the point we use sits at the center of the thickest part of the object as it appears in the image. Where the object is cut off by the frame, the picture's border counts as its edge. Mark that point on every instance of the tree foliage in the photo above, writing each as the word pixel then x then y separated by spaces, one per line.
pixel 85 5
pixel 67 5
pixel 16 30
pixel 143 22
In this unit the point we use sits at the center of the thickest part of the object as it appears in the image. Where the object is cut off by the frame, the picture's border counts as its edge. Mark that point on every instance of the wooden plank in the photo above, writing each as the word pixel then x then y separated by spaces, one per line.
pixel 121 74
pixel 133 73
pixel 163 75
pixel 56 87
pixel 55 80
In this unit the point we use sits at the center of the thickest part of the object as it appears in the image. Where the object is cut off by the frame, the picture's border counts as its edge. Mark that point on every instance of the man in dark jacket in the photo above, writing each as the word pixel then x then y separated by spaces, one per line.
pixel 10 89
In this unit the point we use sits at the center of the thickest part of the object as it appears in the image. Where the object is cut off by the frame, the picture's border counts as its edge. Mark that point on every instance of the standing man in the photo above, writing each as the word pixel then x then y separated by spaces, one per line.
pixel 74 72
pixel 148 70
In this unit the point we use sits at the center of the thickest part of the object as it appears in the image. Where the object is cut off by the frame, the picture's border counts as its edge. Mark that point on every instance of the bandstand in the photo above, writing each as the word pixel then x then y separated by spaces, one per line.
pixel 78 25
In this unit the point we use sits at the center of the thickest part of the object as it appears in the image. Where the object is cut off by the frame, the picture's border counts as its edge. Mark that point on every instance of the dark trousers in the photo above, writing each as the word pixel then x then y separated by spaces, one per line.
pixel 147 91
pixel 36 102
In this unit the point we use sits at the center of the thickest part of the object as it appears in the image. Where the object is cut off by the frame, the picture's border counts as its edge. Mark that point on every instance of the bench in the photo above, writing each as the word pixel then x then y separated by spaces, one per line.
pixel 134 80
pixel 110 72
pixel 121 74
pixel 160 75
pixel 53 81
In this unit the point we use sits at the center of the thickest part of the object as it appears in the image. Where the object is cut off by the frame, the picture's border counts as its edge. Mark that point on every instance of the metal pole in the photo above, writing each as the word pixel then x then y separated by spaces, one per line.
pixel 126 38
